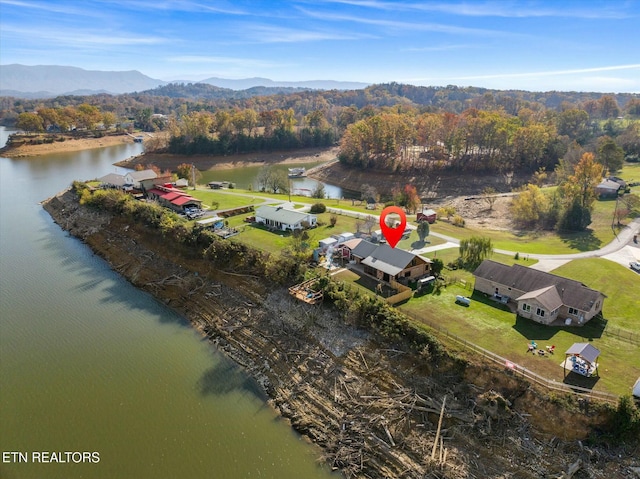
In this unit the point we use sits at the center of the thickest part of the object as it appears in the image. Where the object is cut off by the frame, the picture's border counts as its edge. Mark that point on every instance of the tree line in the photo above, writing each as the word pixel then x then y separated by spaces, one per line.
pixel 483 140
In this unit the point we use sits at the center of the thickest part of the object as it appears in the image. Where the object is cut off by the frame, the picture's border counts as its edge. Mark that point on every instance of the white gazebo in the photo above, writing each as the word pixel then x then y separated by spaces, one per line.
pixel 581 358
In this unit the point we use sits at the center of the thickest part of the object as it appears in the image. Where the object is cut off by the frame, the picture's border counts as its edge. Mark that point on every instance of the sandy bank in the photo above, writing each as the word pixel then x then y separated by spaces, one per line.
pixel 219 162
pixel 69 145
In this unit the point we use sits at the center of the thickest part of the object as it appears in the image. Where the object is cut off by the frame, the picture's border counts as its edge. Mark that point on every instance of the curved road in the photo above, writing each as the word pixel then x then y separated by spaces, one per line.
pixel 621 250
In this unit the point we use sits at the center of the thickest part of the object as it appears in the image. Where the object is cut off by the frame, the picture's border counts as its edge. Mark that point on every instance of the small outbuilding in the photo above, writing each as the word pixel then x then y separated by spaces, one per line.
pixel 427 215
pixel 581 358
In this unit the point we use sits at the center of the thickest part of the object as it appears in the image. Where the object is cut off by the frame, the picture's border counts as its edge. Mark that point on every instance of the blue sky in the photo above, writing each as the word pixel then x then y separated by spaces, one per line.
pixel 532 45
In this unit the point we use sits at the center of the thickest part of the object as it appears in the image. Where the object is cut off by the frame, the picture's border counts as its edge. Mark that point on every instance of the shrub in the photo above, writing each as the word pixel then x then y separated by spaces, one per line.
pixel 318 208
pixel 458 221
pixel 333 219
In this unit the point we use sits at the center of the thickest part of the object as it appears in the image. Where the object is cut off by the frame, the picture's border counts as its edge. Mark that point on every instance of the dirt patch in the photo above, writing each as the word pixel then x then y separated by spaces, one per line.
pixel 477 212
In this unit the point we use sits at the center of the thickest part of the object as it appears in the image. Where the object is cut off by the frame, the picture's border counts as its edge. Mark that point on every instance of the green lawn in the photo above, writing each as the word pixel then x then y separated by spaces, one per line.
pixel 621 286
pixel 224 200
pixel 492 327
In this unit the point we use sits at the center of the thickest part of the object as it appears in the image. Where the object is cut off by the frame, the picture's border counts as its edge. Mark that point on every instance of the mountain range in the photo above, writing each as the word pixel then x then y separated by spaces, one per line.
pixel 45 81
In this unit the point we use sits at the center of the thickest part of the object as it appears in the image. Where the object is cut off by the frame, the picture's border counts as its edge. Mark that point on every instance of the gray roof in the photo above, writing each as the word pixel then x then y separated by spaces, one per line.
pixel 112 179
pixel 585 351
pixel 143 175
pixel 573 293
pixel 389 260
pixel 609 185
pixel 363 249
pixel 282 215
pixel 547 297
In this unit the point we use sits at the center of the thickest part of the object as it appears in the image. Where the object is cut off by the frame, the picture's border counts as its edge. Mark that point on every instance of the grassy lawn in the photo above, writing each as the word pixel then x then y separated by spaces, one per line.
pixel 494 328
pixel 544 242
pixel 620 284
pixel 225 201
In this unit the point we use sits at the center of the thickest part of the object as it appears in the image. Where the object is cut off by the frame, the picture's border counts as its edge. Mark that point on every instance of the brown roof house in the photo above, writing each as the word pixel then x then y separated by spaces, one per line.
pixel 387 263
pixel 541 297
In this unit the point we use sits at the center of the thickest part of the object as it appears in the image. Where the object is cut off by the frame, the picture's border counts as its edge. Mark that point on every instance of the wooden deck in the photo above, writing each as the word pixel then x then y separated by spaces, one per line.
pixel 305 292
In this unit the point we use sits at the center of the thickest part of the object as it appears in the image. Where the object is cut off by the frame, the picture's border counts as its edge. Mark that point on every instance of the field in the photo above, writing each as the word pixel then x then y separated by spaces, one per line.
pixel 493 327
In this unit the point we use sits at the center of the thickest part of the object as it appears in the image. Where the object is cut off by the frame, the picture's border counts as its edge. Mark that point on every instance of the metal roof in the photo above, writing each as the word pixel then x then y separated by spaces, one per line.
pixel 389 260
pixel 282 215
pixel 585 351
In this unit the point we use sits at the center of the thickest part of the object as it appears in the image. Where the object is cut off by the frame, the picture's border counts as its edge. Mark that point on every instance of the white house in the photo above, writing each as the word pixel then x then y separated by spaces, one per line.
pixel 135 177
pixel 284 219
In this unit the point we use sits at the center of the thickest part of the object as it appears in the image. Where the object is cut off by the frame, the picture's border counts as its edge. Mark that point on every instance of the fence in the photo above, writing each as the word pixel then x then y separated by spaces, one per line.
pixel 623 334
pixel 522 371
pixel 404 292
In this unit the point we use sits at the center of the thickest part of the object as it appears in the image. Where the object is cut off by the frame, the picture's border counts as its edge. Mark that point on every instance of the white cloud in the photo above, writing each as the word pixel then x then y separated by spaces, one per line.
pixel 402 26
pixel 499 9
pixel 275 34
pixel 81 38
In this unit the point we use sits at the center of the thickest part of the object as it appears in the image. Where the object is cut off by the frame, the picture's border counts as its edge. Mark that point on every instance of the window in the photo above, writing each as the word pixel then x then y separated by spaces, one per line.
pixel 540 312
pixel 526 307
pixel 573 311
pixel 598 305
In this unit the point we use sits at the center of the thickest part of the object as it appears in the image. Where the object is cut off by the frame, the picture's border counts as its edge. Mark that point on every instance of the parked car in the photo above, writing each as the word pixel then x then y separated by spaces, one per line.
pixel 635 266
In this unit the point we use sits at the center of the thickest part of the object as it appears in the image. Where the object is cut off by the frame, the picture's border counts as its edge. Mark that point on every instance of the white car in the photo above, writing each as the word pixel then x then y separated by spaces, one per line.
pixel 635 266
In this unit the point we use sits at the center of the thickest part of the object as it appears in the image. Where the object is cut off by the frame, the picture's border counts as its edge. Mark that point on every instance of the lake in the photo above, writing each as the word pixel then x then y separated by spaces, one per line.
pixel 88 363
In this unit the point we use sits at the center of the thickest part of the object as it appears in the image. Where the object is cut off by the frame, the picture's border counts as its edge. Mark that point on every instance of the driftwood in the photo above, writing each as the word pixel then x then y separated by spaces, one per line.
pixel 573 468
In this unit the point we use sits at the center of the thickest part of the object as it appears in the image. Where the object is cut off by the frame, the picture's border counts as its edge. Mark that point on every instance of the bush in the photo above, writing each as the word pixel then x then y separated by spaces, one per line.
pixel 458 221
pixel 333 219
pixel 318 208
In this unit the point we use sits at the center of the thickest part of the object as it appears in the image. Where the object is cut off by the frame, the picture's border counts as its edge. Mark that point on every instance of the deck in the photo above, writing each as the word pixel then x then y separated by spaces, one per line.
pixel 305 292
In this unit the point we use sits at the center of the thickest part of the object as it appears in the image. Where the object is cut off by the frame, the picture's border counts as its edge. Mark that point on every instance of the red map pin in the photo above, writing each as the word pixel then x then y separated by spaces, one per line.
pixel 393 235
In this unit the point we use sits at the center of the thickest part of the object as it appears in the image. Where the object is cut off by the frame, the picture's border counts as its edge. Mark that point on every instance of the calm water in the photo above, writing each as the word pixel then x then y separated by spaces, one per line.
pixel 243 177
pixel 89 363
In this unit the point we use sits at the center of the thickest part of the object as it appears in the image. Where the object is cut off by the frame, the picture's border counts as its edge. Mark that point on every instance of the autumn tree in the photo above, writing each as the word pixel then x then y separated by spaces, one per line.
pixel 188 171
pixel 410 199
pixel 581 185
pixel 529 206
pixel 30 122
pixel 579 193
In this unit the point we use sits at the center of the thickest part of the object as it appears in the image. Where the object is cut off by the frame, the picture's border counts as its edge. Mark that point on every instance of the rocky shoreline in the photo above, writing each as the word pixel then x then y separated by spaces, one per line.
pixel 373 408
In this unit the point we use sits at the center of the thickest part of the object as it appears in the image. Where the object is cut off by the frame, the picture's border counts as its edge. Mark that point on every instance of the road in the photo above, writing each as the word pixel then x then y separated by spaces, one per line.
pixel 621 250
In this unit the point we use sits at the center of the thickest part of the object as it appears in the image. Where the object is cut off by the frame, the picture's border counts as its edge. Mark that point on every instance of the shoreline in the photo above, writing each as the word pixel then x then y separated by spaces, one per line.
pixel 222 162
pixel 372 408
pixel 69 145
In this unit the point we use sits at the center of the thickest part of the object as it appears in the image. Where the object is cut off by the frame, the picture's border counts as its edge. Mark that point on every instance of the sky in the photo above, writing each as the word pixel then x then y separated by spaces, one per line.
pixel 565 45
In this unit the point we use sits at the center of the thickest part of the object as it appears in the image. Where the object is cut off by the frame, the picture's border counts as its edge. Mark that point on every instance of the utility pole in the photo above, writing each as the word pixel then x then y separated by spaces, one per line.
pixel 193 175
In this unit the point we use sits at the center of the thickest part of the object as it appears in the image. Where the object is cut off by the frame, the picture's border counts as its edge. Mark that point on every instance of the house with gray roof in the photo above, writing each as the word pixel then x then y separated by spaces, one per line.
pixel 540 296
pixel 284 219
pixel 386 263
pixel 608 188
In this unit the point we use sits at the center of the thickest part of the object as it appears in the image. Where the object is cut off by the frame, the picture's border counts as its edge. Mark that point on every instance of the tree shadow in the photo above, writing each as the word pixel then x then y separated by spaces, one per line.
pixel 419 244
pixel 225 377
pixel 581 241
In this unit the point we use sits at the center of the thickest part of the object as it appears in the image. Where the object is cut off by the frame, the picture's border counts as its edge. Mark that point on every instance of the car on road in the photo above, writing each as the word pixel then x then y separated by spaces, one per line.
pixel 635 266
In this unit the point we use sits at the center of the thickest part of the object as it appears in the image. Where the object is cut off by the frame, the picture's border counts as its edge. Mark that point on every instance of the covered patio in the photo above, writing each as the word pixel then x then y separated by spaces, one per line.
pixel 581 358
